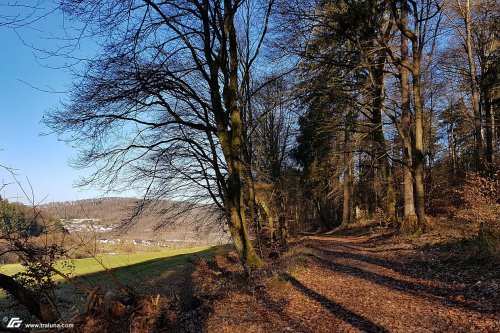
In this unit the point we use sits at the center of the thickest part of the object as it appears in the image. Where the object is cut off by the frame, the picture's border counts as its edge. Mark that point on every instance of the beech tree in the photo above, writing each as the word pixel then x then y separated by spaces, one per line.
pixel 160 108
pixel 417 21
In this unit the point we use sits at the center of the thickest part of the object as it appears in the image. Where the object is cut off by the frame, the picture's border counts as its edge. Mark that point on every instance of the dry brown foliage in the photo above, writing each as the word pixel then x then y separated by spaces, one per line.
pixel 108 313
pixel 356 281
pixel 479 199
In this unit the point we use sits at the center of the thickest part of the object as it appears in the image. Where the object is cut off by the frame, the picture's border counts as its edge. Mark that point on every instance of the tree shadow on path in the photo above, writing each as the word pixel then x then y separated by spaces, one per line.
pixel 354 319
pixel 277 308
pixel 444 295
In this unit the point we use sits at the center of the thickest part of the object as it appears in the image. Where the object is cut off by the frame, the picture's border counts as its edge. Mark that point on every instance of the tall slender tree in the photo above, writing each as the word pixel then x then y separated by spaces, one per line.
pixel 425 15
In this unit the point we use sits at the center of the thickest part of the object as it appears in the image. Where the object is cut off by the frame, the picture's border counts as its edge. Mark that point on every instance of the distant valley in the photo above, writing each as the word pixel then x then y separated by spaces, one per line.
pixel 165 224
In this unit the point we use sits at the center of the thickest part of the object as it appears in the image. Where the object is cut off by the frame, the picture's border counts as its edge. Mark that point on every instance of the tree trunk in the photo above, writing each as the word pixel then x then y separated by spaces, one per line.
pixel 453 151
pixel 419 157
pixel 347 205
pixel 263 204
pixel 251 199
pixel 490 125
pixel 378 136
pixel 325 225
pixel 348 161
pixel 241 239
pixel 409 207
pixel 476 106
pixel 231 142
pixel 283 229
pixel 28 299
pixel 234 201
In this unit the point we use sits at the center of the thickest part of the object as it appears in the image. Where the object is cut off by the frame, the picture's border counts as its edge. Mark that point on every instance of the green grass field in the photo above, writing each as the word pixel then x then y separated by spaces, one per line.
pixel 91 265
pixel 128 268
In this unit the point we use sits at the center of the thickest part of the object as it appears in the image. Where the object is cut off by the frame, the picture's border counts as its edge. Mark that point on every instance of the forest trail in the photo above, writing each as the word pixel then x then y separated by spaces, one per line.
pixel 354 283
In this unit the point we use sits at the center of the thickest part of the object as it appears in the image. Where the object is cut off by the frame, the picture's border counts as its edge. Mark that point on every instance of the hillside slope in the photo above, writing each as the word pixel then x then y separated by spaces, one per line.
pixel 164 220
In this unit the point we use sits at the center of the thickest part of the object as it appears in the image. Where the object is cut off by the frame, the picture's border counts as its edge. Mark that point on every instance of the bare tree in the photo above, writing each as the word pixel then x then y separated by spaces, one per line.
pixel 420 28
pixel 160 109
pixel 473 23
pixel 405 128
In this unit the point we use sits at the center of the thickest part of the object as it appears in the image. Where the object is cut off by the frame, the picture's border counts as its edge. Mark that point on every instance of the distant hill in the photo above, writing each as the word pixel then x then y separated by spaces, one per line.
pixel 162 220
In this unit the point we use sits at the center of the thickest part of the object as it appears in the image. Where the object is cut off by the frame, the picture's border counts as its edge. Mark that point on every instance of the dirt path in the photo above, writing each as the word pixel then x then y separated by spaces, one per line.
pixel 363 284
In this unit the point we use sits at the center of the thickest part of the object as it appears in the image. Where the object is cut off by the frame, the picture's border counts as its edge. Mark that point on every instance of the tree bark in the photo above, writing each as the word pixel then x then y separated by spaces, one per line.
pixel 378 135
pixel 348 161
pixel 409 207
pixel 263 204
pixel 419 156
pixel 490 125
pixel 239 234
pixel 415 36
pixel 231 142
pixel 476 105
pixel 235 205
pixel 28 299
pixel 347 203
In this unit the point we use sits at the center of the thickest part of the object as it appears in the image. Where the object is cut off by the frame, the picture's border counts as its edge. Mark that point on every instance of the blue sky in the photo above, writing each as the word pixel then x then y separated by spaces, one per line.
pixel 40 158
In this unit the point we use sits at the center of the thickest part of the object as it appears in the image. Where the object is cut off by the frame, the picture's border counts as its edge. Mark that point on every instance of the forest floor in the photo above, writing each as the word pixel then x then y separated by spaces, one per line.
pixel 354 280
pixel 365 278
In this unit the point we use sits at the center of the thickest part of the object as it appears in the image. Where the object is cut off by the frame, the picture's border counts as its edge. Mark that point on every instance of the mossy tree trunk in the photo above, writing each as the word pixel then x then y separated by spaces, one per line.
pixel 234 201
pixel 231 139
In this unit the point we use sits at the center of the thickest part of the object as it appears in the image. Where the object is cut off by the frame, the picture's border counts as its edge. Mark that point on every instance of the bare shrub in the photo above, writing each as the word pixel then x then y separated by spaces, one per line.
pixel 479 203
pixel 479 200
